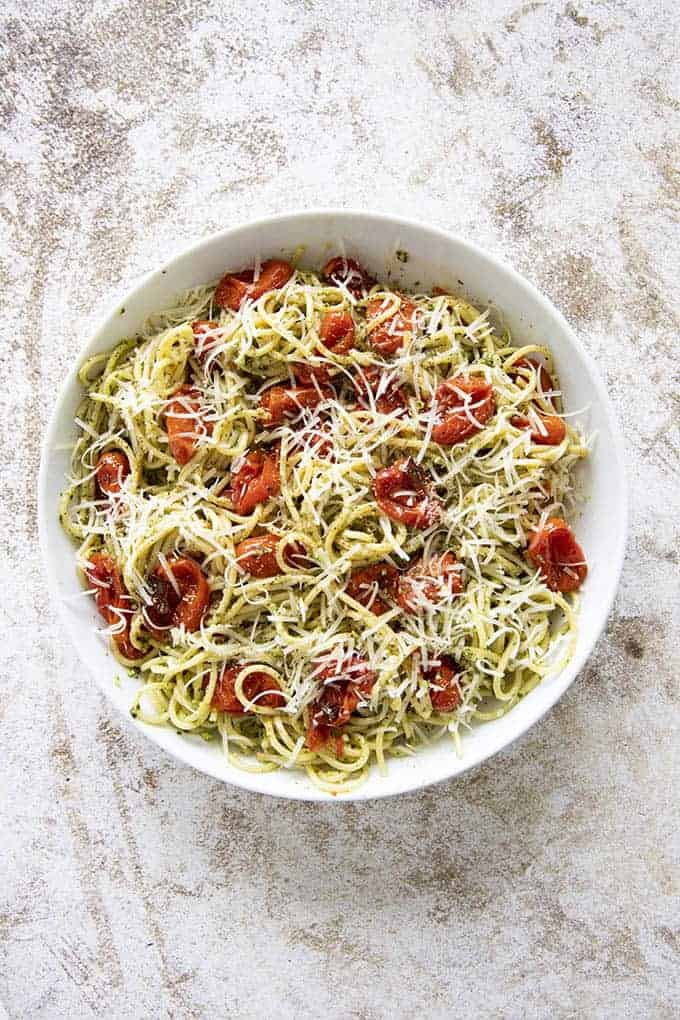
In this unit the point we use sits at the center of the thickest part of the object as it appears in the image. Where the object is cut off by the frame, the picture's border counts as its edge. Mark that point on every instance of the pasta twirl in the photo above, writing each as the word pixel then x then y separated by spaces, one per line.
pixel 323 521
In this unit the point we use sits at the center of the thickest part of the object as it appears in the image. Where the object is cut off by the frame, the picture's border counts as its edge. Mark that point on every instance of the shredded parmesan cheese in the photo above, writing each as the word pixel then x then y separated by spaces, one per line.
pixel 504 628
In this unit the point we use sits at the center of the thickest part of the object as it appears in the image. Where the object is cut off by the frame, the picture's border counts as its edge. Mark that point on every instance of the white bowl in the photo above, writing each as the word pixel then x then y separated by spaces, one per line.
pixel 435 257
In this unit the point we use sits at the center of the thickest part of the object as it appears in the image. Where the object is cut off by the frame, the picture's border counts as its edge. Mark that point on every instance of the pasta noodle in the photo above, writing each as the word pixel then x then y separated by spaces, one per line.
pixel 196 375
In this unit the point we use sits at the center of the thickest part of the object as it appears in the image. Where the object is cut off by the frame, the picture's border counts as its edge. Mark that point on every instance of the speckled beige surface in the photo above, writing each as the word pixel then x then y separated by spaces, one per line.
pixel 545 884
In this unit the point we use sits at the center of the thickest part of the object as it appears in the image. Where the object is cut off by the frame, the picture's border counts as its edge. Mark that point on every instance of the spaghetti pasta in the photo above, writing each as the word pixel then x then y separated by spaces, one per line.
pixel 306 515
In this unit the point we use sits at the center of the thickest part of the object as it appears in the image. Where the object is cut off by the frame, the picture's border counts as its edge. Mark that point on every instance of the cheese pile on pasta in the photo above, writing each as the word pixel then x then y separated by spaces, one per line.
pixel 323 521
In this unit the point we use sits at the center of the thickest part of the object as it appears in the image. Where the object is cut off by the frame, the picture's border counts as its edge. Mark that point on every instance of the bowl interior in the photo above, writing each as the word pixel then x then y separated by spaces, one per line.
pixel 434 257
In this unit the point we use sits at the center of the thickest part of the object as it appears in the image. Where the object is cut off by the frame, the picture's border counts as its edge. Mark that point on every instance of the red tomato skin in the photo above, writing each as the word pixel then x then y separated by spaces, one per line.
pixel 337 332
pixel 158 613
pixel 112 595
pixel 190 606
pixel 555 429
pixel 112 469
pixel 224 697
pixel 553 550
pixel 337 335
pixel 390 336
pixel 392 398
pixel 456 426
pixel 232 290
pixel 338 700
pixel 350 273
pixel 256 481
pixel 257 556
pixel 444 692
pixel 184 431
pixel 274 275
pixel 422 509
pixel 361 586
pixel 126 646
pixel 355 671
pixel 307 375
pixel 202 343
pixel 235 288
pixel 426 578
pixel 281 402
pixel 101 572
pixel 194 589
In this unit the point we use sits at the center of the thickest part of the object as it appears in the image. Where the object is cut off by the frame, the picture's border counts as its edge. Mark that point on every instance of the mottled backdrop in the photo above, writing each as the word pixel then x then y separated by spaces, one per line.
pixel 544 884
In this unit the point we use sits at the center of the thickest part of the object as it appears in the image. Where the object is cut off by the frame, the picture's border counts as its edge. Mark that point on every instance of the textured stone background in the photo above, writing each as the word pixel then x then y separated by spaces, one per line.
pixel 546 883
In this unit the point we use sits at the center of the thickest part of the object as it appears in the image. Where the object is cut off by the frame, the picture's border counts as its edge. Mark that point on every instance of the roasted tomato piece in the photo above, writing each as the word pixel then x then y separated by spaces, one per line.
pixel 235 288
pixel 126 647
pixel 255 481
pixel 232 290
pixel 163 599
pixel 306 374
pixel 257 556
pixel 113 601
pixel 443 680
pixel 545 382
pixel 103 573
pixel 366 585
pixel 344 687
pixel 463 406
pixel 553 549
pixel 337 335
pixel 429 582
pixel 204 343
pixel 257 686
pixel 388 395
pixel 194 591
pixel 550 432
pixel 546 429
pixel 404 492
pixel 337 332
pixel 348 273
pixel 286 402
pixel 184 424
pixel 112 469
pixel 182 602
pixel 316 438
pixel 390 336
